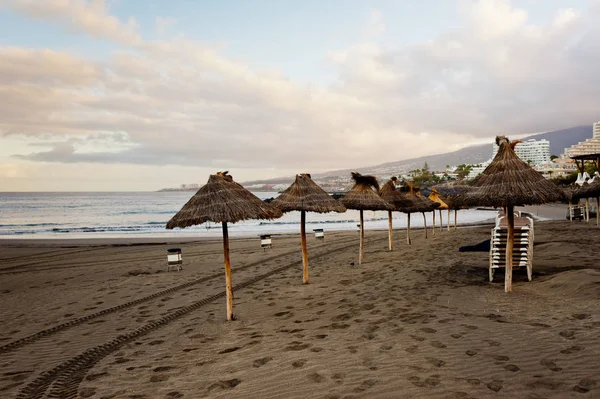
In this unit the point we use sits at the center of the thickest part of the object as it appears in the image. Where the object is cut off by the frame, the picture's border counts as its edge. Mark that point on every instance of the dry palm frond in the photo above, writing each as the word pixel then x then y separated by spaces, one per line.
pixel 451 193
pixel 435 197
pixel 364 195
pixel 305 195
pixel 390 193
pixel 222 200
pixel 509 181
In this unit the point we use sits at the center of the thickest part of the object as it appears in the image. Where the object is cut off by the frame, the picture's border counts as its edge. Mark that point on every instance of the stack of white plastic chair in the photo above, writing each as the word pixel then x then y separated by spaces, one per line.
pixel 522 246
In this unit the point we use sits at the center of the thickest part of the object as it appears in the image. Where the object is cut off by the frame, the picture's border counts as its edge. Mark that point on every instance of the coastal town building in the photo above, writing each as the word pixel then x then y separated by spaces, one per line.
pixel 477 169
pixel 531 151
pixel 558 167
pixel 588 147
pixel 193 186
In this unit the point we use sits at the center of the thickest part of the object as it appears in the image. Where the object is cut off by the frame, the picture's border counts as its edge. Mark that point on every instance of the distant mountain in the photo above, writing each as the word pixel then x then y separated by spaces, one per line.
pixel 559 140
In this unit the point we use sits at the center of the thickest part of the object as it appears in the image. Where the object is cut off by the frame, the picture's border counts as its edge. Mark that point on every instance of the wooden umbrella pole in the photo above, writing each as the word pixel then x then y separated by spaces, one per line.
pixel 441 221
pixel 587 210
pixel 433 225
pixel 597 211
pixel 425 223
pixel 448 219
pixel 228 284
pixel 304 250
pixel 362 239
pixel 408 230
pixel 390 230
pixel 570 210
pixel 455 213
pixel 509 248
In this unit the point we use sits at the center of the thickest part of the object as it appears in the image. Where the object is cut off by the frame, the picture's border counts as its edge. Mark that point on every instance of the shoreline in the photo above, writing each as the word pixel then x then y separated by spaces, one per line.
pixel 540 213
pixel 67 242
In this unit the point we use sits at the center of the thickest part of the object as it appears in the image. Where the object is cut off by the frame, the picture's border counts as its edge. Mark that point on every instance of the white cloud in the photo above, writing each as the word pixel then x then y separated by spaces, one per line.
pixel 92 17
pixel 164 23
pixel 375 25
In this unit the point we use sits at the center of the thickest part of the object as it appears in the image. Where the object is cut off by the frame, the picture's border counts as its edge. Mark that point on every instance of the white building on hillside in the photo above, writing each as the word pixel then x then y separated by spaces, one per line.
pixel 531 151
pixel 476 170
pixel 587 147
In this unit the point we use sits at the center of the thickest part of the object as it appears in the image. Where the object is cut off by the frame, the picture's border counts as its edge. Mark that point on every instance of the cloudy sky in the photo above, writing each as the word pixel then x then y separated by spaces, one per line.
pixel 144 94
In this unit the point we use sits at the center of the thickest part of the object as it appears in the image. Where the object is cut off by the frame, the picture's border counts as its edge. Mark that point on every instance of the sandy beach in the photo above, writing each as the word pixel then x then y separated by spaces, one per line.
pixel 105 319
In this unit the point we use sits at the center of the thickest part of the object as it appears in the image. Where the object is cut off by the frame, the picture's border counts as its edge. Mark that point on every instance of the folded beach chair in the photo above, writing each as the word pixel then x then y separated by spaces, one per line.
pixel 522 245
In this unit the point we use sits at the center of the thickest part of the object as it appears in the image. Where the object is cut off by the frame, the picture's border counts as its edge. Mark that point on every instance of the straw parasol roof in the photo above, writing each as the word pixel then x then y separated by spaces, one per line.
pixel 509 181
pixel 451 193
pixel 435 197
pixel 588 190
pixel 364 195
pixel 222 200
pixel 390 194
pixel 418 203
pixel 305 195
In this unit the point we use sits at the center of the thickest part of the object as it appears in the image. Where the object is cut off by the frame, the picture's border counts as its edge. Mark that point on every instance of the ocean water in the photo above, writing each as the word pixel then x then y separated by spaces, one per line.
pixel 144 214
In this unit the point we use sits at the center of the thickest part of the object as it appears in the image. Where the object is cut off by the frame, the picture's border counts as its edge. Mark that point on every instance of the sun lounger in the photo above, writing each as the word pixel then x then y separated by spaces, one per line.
pixel 522 245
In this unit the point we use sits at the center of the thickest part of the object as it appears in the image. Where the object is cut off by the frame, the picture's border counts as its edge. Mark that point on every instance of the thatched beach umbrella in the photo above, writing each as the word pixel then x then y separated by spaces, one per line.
pixel 451 194
pixel 427 206
pixel 416 203
pixel 390 193
pixel 305 195
pixel 508 182
pixel 435 197
pixel 364 196
pixel 589 190
pixel 222 200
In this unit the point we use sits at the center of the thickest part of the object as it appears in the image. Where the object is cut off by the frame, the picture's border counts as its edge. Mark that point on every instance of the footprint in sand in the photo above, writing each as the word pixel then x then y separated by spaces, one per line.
pixel 299 363
pixel 412 349
pixel 428 330
pixel 471 352
pixel 366 384
pixel 92 377
pixel 316 377
pixel 435 362
pixel 572 349
pixel 159 378
pixel 370 365
pixel 222 385
pixel 417 338
pixel 87 392
pixel 296 346
pixel 495 385
pixel 438 344
pixel 174 395
pixel 550 364
pixel 500 358
pixel 342 317
pixel 580 316
pixel 512 367
pixel 568 334
pixel 338 378
pixel 492 342
pixel 279 314
pixel 262 362
pixel 584 386
pixel 429 382
pixel 470 327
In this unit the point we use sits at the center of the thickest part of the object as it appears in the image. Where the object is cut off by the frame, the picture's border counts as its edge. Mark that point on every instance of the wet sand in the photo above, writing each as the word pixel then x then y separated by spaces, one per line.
pixel 106 321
